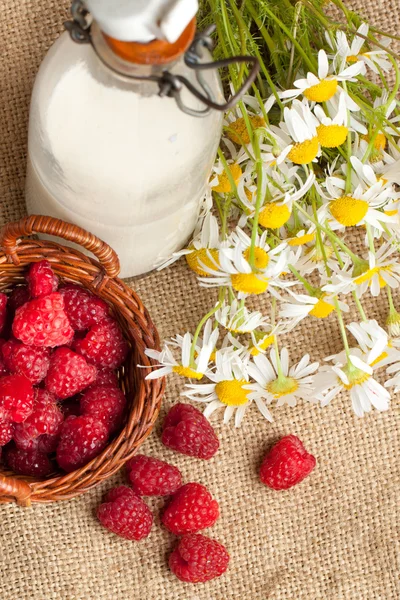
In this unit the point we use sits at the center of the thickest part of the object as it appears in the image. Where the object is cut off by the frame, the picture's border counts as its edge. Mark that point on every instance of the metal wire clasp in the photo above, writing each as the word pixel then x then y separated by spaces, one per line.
pixel 171 84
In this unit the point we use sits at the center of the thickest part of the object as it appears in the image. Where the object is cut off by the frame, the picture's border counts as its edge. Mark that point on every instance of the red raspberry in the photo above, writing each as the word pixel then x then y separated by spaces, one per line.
pixel 3 310
pixel 191 509
pixel 82 438
pixel 48 443
pixel 198 558
pixel 286 464
pixel 186 430
pixel 6 432
pixel 31 361
pixel 153 477
pixel 106 377
pixel 16 398
pixel 28 462
pixel 19 296
pixel 83 308
pixel 43 322
pixel 69 373
pixel 3 368
pixel 41 279
pixel 45 418
pixel 104 345
pixel 106 404
pixel 125 514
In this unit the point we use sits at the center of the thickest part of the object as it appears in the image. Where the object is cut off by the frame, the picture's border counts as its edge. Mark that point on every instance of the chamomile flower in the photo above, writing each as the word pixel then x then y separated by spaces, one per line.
pixel 332 132
pixel 355 376
pixel 368 333
pixel 235 271
pixel 352 53
pixel 300 126
pixel 381 270
pixel 184 367
pixel 263 253
pixel 313 258
pixel 227 389
pixel 220 181
pixel 323 87
pixel 302 305
pixel 357 207
pixel 280 382
pixel 394 381
pixel 203 250
pixel 238 319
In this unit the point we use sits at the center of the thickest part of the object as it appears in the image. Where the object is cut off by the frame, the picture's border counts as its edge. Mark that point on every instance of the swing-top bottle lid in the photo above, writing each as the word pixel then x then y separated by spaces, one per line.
pixel 143 20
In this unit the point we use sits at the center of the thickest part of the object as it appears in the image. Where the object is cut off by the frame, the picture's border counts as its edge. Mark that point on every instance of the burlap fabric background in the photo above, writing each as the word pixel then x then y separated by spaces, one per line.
pixel 334 537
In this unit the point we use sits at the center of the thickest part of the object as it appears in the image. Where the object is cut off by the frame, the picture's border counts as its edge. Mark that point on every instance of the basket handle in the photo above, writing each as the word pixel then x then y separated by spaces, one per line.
pixel 41 224
pixel 16 488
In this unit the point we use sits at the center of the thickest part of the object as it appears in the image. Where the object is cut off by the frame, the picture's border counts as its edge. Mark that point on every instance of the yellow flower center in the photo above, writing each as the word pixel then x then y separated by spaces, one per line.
pixel 237 131
pixel 303 153
pixel 352 58
pixel 231 392
pixel 380 357
pixel 315 253
pixel 301 240
pixel 348 211
pixel 379 143
pixel 332 136
pixel 274 215
pixel 355 377
pixel 261 258
pixel 321 309
pixel 224 185
pixel 249 194
pixel 266 342
pixel 367 276
pixel 187 372
pixel 249 283
pixel 282 387
pixel 322 91
pixel 203 255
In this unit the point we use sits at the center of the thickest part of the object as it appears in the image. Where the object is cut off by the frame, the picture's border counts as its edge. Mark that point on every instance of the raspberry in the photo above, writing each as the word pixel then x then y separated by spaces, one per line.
pixel 83 308
pixel 3 310
pixel 125 514
pixel 191 509
pixel 48 443
pixel 198 558
pixel 6 432
pixel 69 373
pixel 16 398
pixel 43 322
pixel 19 296
pixel 45 418
pixel 106 377
pixel 106 404
pixel 3 368
pixel 82 438
pixel 153 477
pixel 41 279
pixel 31 361
pixel 186 430
pixel 104 345
pixel 28 462
pixel 286 464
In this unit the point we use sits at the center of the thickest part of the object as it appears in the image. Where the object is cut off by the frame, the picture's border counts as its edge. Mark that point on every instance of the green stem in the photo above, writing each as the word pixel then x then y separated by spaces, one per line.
pixel 342 327
pixel 359 306
pixel 310 289
pixel 278 359
pixel 390 298
pixel 258 163
pixel 197 332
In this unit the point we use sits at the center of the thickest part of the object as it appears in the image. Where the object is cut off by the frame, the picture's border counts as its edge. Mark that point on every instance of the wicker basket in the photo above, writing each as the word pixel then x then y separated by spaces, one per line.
pixel 144 397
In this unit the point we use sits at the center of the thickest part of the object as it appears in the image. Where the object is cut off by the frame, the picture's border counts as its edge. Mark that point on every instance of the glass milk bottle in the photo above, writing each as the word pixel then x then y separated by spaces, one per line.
pixel 118 142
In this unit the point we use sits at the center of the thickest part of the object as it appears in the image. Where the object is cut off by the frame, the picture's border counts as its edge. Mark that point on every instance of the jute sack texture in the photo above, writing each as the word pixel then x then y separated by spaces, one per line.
pixel 334 537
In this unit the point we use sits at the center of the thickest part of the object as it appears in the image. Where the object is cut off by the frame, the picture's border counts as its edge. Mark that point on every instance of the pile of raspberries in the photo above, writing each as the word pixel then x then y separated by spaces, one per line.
pixel 59 394
pixel 190 508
